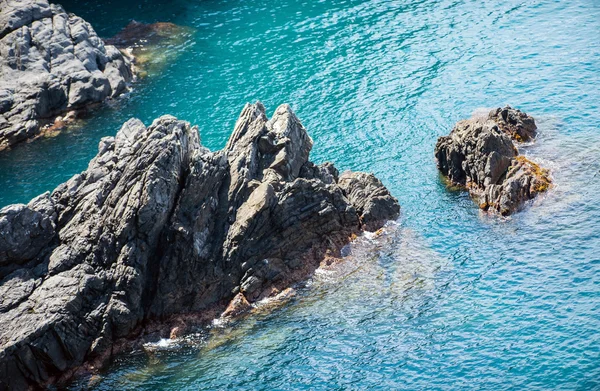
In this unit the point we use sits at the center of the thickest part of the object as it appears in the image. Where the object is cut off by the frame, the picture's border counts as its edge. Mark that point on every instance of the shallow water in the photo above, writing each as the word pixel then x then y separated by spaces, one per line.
pixel 451 298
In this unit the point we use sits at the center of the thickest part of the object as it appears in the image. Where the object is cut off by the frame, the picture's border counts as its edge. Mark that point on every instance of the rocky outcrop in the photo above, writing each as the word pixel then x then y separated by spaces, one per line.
pixel 479 154
pixel 159 226
pixel 370 198
pixel 518 125
pixel 51 62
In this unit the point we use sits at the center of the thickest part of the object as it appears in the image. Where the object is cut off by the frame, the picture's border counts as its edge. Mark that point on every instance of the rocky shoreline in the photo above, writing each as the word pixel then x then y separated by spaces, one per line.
pixel 51 63
pixel 159 228
pixel 479 154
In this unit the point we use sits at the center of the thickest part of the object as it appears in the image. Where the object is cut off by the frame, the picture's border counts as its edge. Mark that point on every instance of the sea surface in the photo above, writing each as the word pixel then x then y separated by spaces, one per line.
pixel 448 298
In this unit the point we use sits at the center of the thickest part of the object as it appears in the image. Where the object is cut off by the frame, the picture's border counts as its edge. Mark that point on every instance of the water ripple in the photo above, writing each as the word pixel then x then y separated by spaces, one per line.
pixel 452 298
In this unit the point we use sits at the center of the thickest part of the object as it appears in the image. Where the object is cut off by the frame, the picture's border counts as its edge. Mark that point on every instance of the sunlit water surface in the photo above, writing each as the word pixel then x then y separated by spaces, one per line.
pixel 448 299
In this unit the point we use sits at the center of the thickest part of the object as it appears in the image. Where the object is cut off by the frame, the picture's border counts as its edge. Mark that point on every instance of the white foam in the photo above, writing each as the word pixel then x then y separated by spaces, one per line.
pixel 163 343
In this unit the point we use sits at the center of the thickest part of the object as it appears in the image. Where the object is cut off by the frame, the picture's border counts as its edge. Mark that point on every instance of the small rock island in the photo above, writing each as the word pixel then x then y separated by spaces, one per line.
pixel 159 226
pixel 480 155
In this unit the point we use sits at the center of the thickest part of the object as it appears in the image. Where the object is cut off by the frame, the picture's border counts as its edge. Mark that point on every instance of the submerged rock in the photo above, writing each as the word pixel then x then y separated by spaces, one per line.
pixel 51 62
pixel 238 306
pixel 479 154
pixel 150 46
pixel 159 226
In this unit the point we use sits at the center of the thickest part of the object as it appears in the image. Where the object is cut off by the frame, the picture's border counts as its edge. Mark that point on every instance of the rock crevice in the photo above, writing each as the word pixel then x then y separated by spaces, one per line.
pixel 159 226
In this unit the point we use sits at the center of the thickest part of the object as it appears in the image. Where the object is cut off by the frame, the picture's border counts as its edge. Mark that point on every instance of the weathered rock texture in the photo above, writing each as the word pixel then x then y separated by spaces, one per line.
pixel 480 154
pixel 158 225
pixel 51 62
pixel 518 125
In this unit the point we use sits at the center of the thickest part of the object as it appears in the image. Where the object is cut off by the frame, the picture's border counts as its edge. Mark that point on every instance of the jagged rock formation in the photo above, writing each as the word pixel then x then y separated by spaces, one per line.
pixel 480 154
pixel 158 226
pixel 51 62
pixel 518 125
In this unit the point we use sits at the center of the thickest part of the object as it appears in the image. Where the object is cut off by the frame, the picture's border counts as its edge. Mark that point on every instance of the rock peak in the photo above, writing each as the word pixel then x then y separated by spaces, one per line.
pixel 159 226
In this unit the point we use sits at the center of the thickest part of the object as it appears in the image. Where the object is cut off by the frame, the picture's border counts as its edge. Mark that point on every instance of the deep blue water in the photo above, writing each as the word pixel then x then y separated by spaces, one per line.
pixel 451 298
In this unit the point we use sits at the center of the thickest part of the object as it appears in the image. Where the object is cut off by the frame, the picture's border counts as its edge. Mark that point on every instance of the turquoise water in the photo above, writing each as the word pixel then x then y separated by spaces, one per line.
pixel 450 298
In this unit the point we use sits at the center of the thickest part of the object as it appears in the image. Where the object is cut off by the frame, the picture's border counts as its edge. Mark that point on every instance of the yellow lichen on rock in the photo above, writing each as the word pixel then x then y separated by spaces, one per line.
pixel 541 181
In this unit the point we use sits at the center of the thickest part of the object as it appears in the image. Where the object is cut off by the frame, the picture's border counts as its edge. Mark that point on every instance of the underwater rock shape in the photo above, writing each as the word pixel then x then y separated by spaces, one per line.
pixel 51 62
pixel 480 155
pixel 150 46
pixel 159 226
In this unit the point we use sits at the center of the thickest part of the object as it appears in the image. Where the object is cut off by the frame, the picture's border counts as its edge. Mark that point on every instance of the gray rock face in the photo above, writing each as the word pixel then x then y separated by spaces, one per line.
pixel 24 231
pixel 372 200
pixel 480 155
pixel 160 226
pixel 51 62
pixel 516 124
